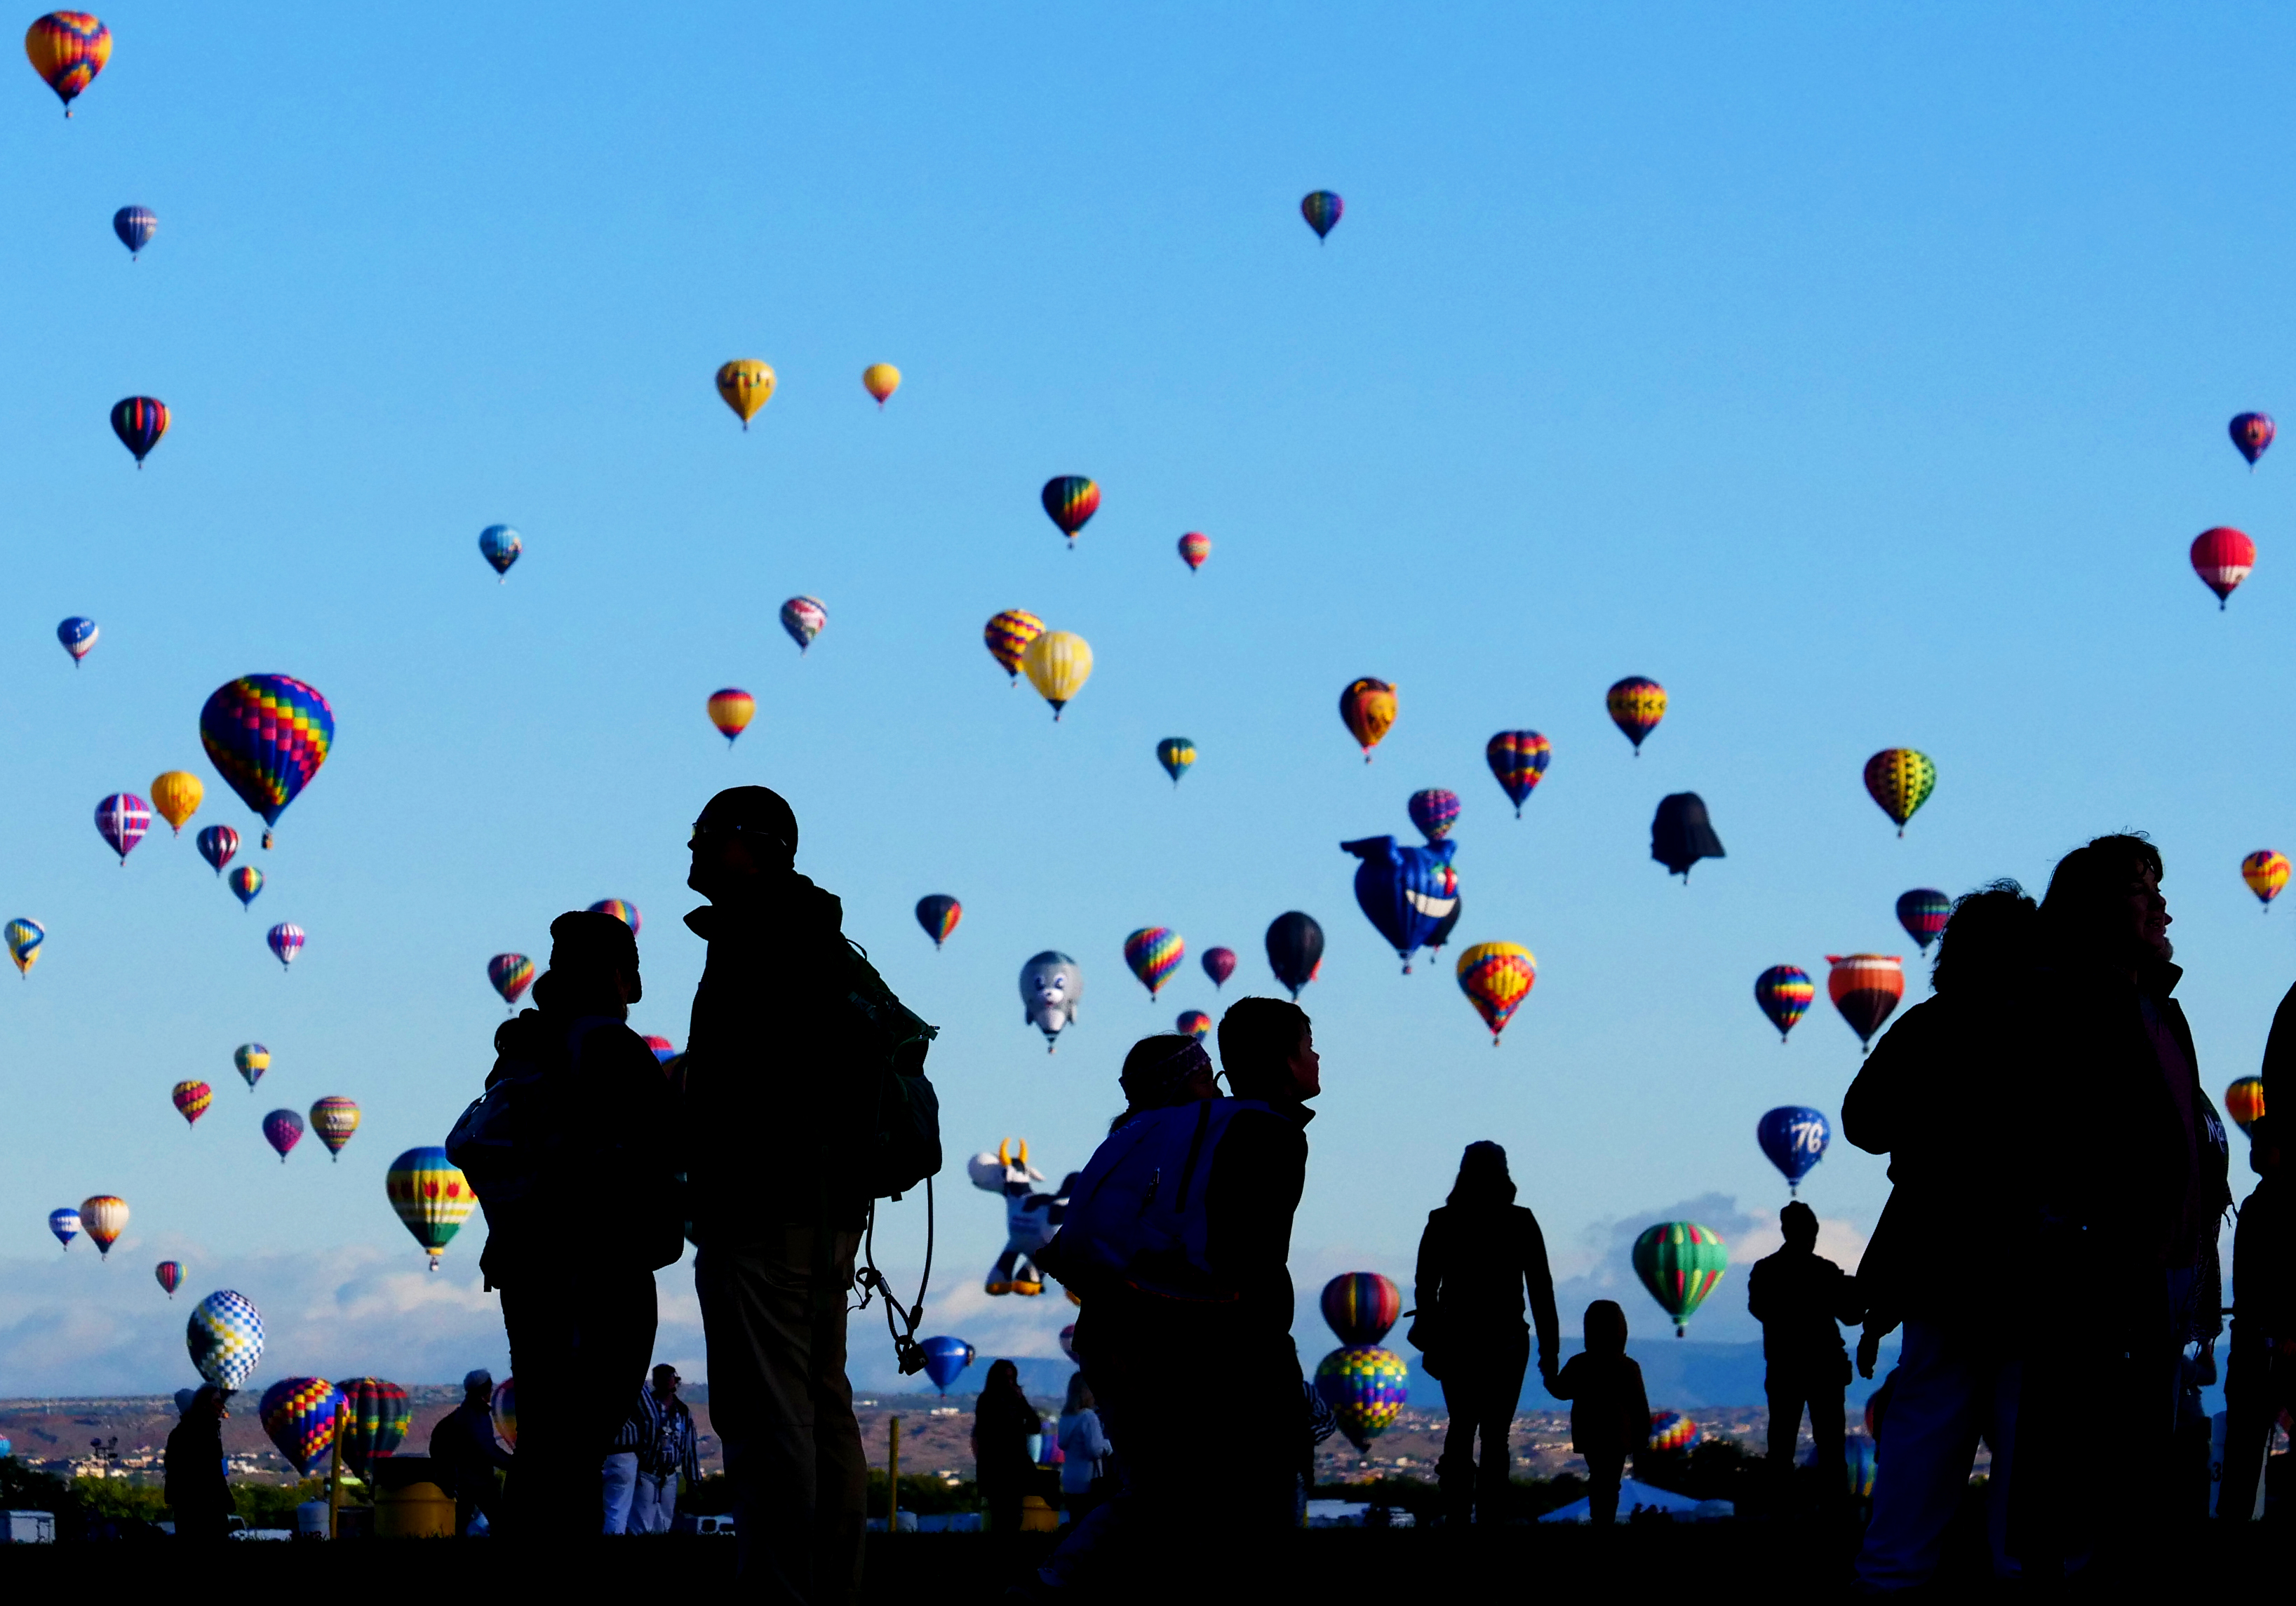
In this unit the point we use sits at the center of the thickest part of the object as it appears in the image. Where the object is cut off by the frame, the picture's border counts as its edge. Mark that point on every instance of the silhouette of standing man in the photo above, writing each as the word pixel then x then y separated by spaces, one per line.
pixel 1798 1295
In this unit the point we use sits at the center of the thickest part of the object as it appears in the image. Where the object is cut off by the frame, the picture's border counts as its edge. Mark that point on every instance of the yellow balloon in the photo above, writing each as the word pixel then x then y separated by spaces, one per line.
pixel 881 379
pixel 747 385
pixel 1057 663
pixel 177 796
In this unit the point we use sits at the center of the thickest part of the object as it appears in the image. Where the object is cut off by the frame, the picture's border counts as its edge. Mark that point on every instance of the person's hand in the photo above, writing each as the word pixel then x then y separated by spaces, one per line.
pixel 1869 1350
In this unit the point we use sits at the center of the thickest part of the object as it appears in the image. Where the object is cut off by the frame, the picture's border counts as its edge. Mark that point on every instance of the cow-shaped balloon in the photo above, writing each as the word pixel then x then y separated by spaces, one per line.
pixel 1031 1220
pixel 1050 986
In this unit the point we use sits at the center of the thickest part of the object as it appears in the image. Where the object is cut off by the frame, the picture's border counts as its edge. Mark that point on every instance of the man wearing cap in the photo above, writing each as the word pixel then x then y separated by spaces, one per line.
pixel 198 1495
pixel 575 1244
pixel 463 1451
pixel 771 1117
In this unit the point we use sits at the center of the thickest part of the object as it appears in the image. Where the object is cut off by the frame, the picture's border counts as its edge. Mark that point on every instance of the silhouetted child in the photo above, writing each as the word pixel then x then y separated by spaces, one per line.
pixel 1610 1413
pixel 2262 1366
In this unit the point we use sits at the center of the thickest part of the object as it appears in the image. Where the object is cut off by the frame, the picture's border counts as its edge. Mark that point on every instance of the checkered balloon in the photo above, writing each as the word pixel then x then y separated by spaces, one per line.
pixel 226 1338
pixel 301 1414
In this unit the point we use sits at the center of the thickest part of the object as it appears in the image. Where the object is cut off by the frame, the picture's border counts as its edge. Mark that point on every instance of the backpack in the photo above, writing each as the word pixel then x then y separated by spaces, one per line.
pixel 1136 1213
pixel 505 1139
pixel 900 1141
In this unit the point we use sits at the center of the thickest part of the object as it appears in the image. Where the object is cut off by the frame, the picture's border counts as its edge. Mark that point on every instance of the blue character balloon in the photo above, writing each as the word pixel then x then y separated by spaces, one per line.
pixel 945 1357
pixel 1405 892
pixel 1794 1138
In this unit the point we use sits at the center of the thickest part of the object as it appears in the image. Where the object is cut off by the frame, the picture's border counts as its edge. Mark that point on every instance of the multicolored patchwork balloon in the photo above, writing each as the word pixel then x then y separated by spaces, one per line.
pixel 64 1223
pixel 2251 433
pixel 937 913
pixel 731 709
pixel 68 49
pixel 286 941
pixel 1636 704
pixel 226 1338
pixel 1195 1023
pixel 2244 1101
pixel 1671 1430
pixel 1434 812
pixel 1070 501
pixel 334 1119
pixel 1924 912
pixel 803 617
pixel 253 1060
pixel 745 385
pixel 1361 1306
pixel 2266 873
pixel 1783 993
pixel 621 910
pixel 218 846
pixel 499 546
pixel 24 938
pixel 1368 708
pixel 283 1130
pixel 139 422
pixel 1680 1262
pixel 1323 209
pixel 1178 755
pixel 1195 548
pixel 1518 758
pixel 1366 1389
pixel 431 1196
pixel 1793 1138
pixel 1219 964
pixel 1496 978
pixel 79 636
pixel 1008 636
pixel 2222 557
pixel 104 1218
pixel 170 1274
pixel 245 882
pixel 1865 989
pixel 191 1099
pixel 301 1414
pixel 510 974
pixel 121 820
pixel 376 1417
pixel 267 735
pixel 1900 781
pixel 1154 953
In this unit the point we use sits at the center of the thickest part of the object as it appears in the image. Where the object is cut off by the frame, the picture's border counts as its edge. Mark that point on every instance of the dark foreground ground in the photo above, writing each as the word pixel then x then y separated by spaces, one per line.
pixel 1655 1564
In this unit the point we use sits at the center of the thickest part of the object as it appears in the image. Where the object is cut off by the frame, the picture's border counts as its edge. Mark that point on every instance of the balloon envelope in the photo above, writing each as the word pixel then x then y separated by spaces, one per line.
pixel 1900 781
pixel 1367 708
pixel 621 910
pixel 2266 873
pixel 1636 704
pixel 301 1414
pixel 1783 993
pixel 286 941
pixel 65 1225
pixel 1496 978
pixel 1178 755
pixel 1518 758
pixel 376 1417
pixel 1793 1139
pixel 1681 833
pixel 121 820
pixel 1219 964
pixel 24 938
pixel 1195 1023
pixel 191 1099
pixel 1671 1430
pixel 510 975
pixel 504 1408
pixel 1058 663
pixel 1403 891
pixel 499 546
pixel 170 1276
pixel 1434 812
pixel 177 796
pixel 1051 985
pixel 1924 912
pixel 1361 1306
pixel 103 1216
pixel 225 1336
pixel 1070 501
pixel 1366 1389
pixel 1680 1262
pixel 745 385
pixel 1008 636
pixel 253 1060
pixel 432 1197
pixel 1323 209
pixel 1295 949
pixel 1865 989
pixel 335 1119
pixel 2244 1101
pixel 937 913
pixel 68 49
pixel 945 1357
pixel 880 380
pixel 1153 952
pixel 139 422
pixel 283 1130
pixel 245 882
pixel 1195 548
pixel 2251 433
pixel 219 845
pixel 267 735
pixel 77 635
pixel 803 617
pixel 731 709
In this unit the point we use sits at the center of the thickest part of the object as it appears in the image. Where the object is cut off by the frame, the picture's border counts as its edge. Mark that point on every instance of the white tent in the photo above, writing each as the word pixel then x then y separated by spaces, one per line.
pixel 1633 1494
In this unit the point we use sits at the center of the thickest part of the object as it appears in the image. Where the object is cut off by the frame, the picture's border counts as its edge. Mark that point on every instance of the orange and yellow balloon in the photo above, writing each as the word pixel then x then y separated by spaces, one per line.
pixel 68 49
pixel 1058 663
pixel 1496 978
pixel 2266 873
pixel 177 796
pixel 1367 707
pixel 747 385
pixel 880 380
pixel 1008 636
pixel 731 709
pixel 2243 1100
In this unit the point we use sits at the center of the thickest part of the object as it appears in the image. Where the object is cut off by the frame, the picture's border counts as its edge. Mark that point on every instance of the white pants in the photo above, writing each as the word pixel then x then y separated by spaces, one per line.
pixel 621 1477
pixel 1952 1387
pixel 653 1504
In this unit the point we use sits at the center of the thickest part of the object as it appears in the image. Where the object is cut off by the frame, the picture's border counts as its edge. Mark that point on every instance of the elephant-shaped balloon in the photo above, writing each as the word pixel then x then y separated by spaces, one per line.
pixel 1031 1220
pixel 1050 984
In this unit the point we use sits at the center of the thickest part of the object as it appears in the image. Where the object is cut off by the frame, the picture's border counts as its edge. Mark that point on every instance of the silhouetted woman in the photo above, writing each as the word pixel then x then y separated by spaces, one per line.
pixel 1481 1251
pixel 1003 1423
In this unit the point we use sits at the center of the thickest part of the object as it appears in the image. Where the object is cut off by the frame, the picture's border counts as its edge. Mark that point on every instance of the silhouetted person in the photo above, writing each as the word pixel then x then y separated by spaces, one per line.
pixel 2133 1187
pixel 1953 1248
pixel 2260 1362
pixel 465 1457
pixel 579 1098
pixel 1085 1452
pixel 1479 1256
pixel 198 1494
pixel 1798 1295
pixel 778 1228
pixel 1610 1412
pixel 1003 1422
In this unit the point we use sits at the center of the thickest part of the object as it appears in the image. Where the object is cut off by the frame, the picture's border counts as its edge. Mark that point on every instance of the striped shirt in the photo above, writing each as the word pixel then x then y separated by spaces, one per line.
pixel 662 1434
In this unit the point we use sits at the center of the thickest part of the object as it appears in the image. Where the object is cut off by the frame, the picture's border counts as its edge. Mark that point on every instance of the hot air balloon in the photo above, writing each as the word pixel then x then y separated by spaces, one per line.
pixel 1518 758
pixel 253 1060
pixel 1361 1306
pixel 1051 985
pixel 177 796
pixel 2222 558
pixel 945 1357
pixel 432 1197
pixel 134 225
pixel 170 1276
pixel 803 617
pixel 1403 891
pixel 245 882
pixel 2244 1101
pixel 1295 950
pixel 505 1411
pixel 621 910
pixel 226 1338
pixel 664 1050
pixel 1195 1023
pixel 376 1417
pixel 79 636
pixel 267 735
pixel 1900 780
pixel 191 1099
pixel 1865 989
pixel 1368 708
pixel 1434 812
pixel 334 1119
pixel 24 938
pixel 283 1130
pixel 1924 912
pixel 510 974
pixel 1366 1389
pixel 1070 501
pixel 1176 754
pixel 1322 209
pixel 1680 1262
pixel 1496 978
pixel 731 709
pixel 64 1223
pixel 1058 663
pixel 139 422
pixel 1795 1139
pixel 1195 548
pixel 1008 636
pixel 1783 993
pixel 104 1218
pixel 880 380
pixel 1153 952
pixel 218 844
pixel 937 913
pixel 1636 704
pixel 2266 873
pixel 68 49
pixel 1681 833
pixel 1671 1430
pixel 121 820
pixel 1219 964
pixel 499 546
pixel 301 1414
pixel 2251 433
pixel 286 941
pixel 746 385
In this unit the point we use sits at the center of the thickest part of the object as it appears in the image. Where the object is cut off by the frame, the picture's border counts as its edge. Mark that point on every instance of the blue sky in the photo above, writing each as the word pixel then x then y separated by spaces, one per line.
pixel 1861 377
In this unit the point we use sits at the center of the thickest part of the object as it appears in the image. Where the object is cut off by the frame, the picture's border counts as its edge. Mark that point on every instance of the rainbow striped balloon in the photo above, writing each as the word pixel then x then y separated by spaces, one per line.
pixel 1070 501
pixel 510 974
pixel 937 913
pixel 1154 953
pixel 1361 1306
pixel 1195 1023
pixel 621 910
pixel 1783 993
